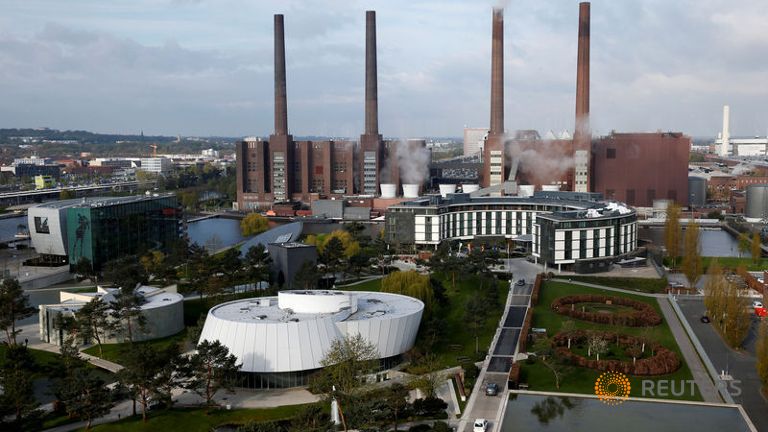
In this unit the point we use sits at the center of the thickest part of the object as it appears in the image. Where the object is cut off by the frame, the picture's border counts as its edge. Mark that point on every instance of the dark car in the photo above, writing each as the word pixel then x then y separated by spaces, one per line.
pixel 520 282
pixel 705 319
pixel 492 389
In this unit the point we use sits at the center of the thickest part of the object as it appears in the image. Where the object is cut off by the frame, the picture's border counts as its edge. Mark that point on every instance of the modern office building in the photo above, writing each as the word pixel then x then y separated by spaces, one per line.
pixel 104 228
pixel 156 165
pixel 288 259
pixel 564 229
pixel 281 340
pixel 162 308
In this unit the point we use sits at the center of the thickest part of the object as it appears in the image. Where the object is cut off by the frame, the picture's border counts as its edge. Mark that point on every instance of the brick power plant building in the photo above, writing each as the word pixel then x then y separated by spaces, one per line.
pixel 636 168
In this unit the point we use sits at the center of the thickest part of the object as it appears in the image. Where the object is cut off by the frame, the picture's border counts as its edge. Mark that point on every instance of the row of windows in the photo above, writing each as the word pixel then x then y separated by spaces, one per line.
pixel 486 223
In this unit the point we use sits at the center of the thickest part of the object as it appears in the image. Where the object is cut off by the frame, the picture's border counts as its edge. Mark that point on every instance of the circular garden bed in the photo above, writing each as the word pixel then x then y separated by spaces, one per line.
pixel 640 314
pixel 662 362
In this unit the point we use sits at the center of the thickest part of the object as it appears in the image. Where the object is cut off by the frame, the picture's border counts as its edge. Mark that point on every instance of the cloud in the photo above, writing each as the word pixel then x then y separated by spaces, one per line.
pixel 205 67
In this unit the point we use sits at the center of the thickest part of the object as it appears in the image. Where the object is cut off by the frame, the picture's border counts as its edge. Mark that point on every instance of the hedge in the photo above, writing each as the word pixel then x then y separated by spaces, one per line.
pixel 644 315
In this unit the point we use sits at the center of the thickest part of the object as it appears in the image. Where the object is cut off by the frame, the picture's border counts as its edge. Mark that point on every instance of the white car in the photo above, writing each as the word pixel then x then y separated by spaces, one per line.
pixel 481 425
pixel 757 304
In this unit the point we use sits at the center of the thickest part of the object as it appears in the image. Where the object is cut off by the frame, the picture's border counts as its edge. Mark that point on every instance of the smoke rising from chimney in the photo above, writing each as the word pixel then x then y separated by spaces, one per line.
pixel 542 162
pixel 413 161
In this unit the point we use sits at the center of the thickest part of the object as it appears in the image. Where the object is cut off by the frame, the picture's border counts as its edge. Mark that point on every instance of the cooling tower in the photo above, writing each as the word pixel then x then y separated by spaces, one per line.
pixel 410 190
pixel 469 188
pixel 525 190
pixel 388 190
pixel 446 189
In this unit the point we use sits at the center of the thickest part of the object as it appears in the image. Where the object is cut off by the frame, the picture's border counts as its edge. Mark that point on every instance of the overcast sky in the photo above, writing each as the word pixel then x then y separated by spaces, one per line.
pixel 204 67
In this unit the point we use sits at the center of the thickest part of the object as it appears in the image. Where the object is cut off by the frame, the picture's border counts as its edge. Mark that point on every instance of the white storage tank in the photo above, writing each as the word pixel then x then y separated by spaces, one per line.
pixel 388 190
pixel 446 189
pixel 525 190
pixel 410 190
pixel 550 188
pixel 469 188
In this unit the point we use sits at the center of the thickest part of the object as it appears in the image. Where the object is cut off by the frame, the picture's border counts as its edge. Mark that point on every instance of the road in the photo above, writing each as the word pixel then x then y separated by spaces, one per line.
pixel 502 349
pixel 739 364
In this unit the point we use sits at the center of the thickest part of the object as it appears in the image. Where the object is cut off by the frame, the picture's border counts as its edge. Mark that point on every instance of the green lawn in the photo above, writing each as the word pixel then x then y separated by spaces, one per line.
pixel 582 380
pixel 628 283
pixel 193 420
pixel 734 262
pixel 370 285
pixel 112 352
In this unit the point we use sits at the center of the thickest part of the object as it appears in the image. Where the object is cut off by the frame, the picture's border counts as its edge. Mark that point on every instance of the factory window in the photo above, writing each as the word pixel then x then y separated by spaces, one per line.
pixel 631 196
pixel 469 223
pixel 461 224
pixel 650 196
pixel 478 223
pixel 610 153
pixel 488 223
pixel 568 244
pixel 509 223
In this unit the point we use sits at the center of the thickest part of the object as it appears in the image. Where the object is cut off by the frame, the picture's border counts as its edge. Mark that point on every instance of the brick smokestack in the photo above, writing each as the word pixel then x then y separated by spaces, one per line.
pixel 371 85
pixel 582 131
pixel 497 73
pixel 281 103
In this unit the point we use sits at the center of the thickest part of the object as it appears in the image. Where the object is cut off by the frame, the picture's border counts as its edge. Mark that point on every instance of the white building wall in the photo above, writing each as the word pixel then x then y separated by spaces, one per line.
pixel 55 241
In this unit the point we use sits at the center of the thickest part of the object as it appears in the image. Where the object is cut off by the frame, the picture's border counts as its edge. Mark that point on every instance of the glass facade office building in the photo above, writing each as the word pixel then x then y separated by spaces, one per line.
pixel 105 229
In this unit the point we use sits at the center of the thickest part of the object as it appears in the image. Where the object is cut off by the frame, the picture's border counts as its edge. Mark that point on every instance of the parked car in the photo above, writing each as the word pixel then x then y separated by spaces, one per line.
pixel 757 304
pixel 492 389
pixel 520 282
pixel 674 284
pixel 705 319
pixel 481 425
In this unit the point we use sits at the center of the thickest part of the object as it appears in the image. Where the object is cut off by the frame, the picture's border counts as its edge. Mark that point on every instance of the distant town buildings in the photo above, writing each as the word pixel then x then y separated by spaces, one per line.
pixel 156 165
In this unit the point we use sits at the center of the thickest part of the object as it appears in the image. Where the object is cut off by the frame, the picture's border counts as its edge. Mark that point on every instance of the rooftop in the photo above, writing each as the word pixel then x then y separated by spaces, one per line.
pixel 100 201
pixel 338 305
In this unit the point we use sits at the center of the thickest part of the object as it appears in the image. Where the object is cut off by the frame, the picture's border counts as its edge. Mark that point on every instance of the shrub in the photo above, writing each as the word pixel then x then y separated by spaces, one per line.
pixel 644 315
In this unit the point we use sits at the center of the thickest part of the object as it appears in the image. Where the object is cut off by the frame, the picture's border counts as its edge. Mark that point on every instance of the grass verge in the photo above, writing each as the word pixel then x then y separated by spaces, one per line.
pixel 632 284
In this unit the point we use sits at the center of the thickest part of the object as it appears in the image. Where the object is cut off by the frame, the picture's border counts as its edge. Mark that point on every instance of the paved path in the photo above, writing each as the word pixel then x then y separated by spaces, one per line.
pixel 698 371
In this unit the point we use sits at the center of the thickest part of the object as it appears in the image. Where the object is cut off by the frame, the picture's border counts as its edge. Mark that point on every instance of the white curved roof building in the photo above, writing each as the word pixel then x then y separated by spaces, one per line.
pixel 280 339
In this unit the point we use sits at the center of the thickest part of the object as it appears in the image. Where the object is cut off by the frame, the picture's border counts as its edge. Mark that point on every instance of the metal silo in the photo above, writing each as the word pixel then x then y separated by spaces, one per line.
pixel 697 191
pixel 757 202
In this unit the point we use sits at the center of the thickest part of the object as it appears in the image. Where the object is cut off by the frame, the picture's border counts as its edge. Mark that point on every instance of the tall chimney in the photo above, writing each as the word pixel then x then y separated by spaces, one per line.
pixel 371 86
pixel 497 73
pixel 281 104
pixel 582 131
pixel 726 134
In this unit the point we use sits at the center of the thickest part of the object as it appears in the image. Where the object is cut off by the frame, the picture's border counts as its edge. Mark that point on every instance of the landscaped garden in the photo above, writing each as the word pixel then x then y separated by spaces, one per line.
pixel 634 339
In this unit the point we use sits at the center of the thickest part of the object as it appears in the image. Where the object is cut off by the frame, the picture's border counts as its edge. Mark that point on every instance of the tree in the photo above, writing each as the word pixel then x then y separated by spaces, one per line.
pixel 252 224
pixel 332 255
pixel 307 276
pixel 736 319
pixel 84 394
pixel 93 322
pixel 429 381
pixel 127 314
pixel 210 369
pixel 443 261
pixel 692 267
pixel 146 373
pixel 349 245
pixel 567 327
pixel 257 261
pixel 761 353
pixel 347 359
pixel 14 306
pixel 672 232
pixel 475 316
pixel 756 248
pixel 410 283
pixel 16 380
pixel 547 355
pixel 395 401
pixel 229 263
pixel 126 272
pixel 66 194
pixel 84 270
pixel 597 345
pixel 153 262
pixel 745 244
